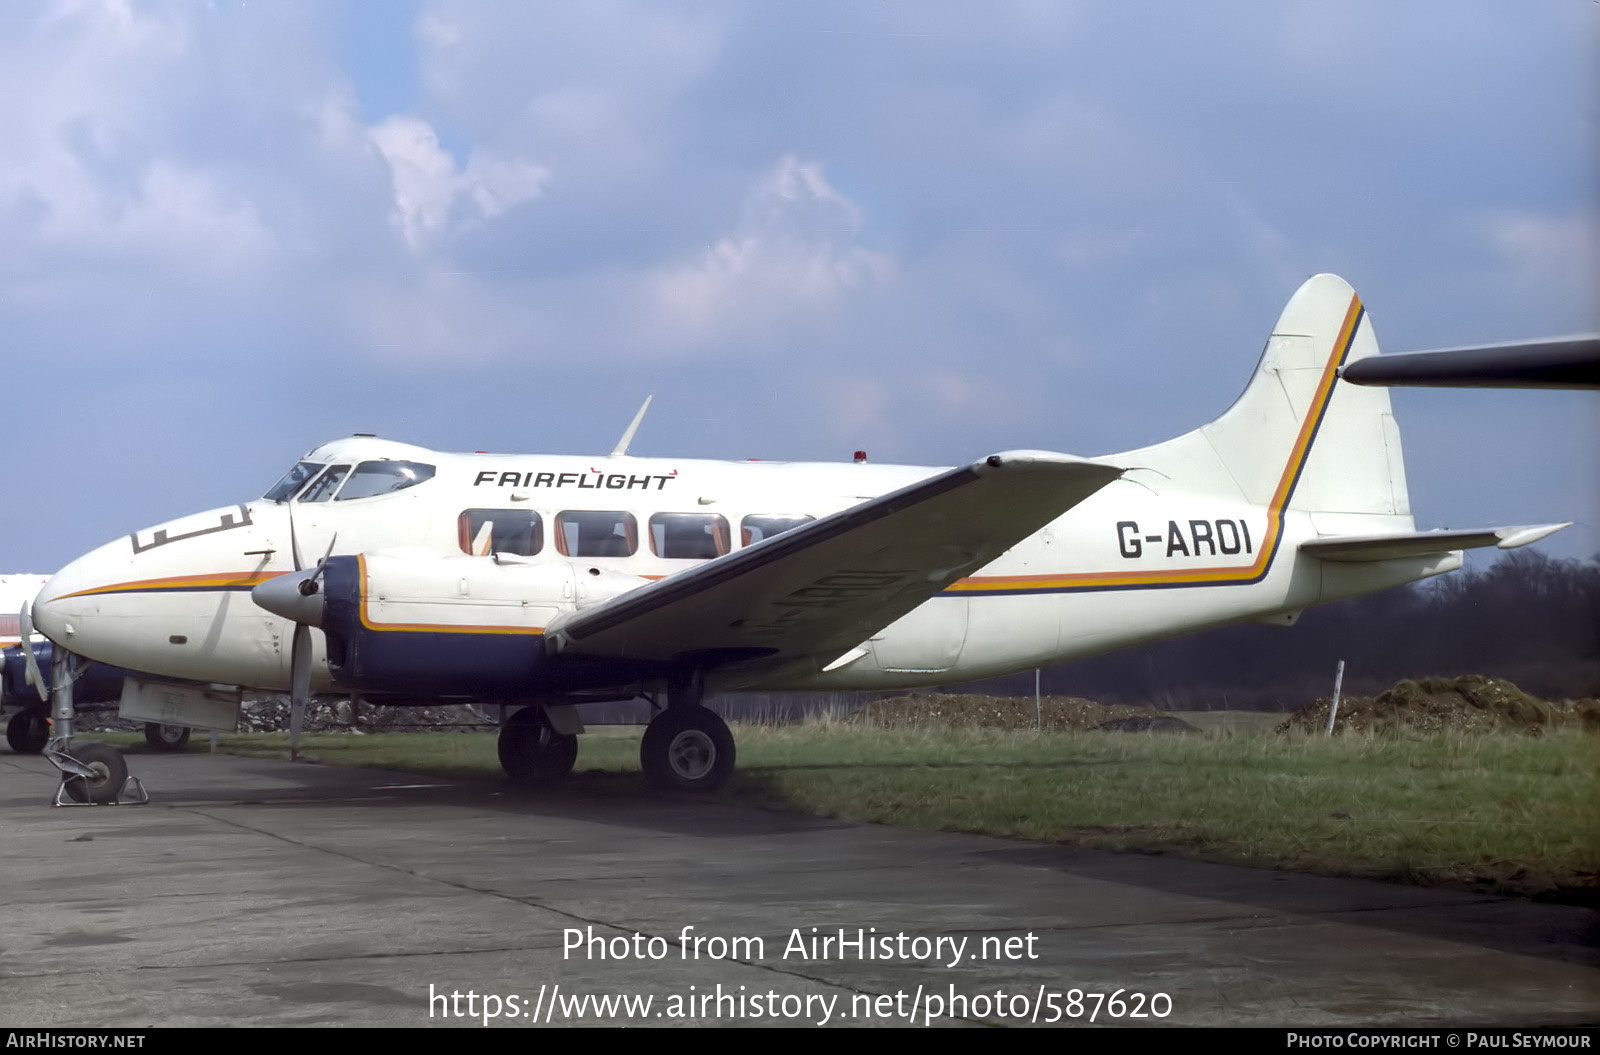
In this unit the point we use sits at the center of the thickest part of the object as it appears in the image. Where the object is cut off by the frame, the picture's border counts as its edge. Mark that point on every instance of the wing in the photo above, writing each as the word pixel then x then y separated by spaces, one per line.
pixel 1357 548
pixel 823 588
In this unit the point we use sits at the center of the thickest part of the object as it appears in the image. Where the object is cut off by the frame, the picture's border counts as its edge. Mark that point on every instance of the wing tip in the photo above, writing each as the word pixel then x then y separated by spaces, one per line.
pixel 1516 537
pixel 1030 460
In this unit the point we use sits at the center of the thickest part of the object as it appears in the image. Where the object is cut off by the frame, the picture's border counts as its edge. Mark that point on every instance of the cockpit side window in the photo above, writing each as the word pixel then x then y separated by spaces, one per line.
pixel 292 481
pixel 758 526
pixel 326 484
pixel 384 477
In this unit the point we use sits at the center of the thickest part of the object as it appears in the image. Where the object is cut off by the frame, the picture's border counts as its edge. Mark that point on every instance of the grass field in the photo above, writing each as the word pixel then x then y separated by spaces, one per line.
pixel 1512 813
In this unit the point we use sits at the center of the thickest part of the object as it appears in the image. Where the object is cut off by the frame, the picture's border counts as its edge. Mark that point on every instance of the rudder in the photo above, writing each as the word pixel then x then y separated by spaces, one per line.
pixel 1299 438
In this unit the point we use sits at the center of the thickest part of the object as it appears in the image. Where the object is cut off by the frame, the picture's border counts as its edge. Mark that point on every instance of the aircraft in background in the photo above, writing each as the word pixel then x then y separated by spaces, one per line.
pixel 550 582
pixel 29 728
pixel 1561 362
pixel 97 686
pixel 15 591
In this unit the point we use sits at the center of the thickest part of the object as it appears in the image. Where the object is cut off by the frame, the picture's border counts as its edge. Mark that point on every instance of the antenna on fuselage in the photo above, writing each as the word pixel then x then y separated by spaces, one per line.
pixel 627 437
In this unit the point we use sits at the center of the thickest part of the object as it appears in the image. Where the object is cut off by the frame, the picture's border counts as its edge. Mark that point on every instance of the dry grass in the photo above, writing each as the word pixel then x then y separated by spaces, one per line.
pixel 1509 813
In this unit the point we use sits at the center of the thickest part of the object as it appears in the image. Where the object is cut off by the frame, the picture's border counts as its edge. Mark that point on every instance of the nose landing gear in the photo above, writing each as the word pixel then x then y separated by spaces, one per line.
pixel 92 774
pixel 105 780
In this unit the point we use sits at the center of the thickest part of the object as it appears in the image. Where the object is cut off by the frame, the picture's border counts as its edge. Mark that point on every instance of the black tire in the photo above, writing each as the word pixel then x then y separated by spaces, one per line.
pixel 27 732
pixel 166 737
pixel 111 772
pixel 532 752
pixel 687 749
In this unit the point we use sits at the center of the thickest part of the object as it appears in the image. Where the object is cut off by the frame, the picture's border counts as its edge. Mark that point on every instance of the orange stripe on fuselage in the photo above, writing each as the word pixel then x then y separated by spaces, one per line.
pixel 215 580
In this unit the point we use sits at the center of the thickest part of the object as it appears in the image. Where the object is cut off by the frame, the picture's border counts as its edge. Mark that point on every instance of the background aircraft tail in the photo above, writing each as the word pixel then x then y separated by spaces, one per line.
pixel 1298 437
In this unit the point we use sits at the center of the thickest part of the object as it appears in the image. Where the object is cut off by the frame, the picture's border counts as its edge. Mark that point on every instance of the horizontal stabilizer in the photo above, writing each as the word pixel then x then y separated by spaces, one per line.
pixel 1359 548
pixel 823 588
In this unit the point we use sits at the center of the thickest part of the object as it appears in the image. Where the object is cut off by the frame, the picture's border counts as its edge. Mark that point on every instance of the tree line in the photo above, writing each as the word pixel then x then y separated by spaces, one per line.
pixel 1532 619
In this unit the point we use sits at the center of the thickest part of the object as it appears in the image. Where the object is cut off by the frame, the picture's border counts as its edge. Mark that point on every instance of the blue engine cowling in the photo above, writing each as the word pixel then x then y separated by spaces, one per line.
pixel 472 628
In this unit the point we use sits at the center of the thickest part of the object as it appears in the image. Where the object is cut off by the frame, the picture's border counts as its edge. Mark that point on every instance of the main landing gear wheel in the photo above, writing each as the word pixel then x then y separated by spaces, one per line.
pixel 166 737
pixel 687 749
pixel 532 752
pixel 111 772
pixel 27 733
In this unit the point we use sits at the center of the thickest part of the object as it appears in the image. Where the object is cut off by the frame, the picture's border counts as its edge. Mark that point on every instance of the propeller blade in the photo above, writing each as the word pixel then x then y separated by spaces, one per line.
pixel 325 557
pixel 294 542
pixel 299 685
pixel 31 662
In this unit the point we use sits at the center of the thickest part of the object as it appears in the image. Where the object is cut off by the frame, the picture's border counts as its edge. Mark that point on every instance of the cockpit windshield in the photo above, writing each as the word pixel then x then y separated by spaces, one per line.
pixel 326 484
pixel 292 481
pixel 385 477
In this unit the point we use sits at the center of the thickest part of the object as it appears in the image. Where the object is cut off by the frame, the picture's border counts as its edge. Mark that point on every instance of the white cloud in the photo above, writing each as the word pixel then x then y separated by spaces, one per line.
pixel 1547 264
pixel 86 173
pixel 428 186
pixel 1047 206
pixel 794 252
pixel 1542 248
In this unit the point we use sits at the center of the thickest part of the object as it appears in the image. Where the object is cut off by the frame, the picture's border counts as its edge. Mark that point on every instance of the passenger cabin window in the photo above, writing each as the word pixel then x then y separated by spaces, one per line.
pixel 324 486
pixel 384 477
pixel 688 536
pixel 591 533
pixel 292 481
pixel 519 531
pixel 758 526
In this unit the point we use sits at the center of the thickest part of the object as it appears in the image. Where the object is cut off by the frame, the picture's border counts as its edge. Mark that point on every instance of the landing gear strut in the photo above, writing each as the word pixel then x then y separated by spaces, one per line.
pixel 531 751
pixel 687 747
pixel 92 774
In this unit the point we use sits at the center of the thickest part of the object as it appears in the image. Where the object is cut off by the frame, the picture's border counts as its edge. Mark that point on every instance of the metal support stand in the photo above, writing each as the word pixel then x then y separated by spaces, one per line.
pixel 132 793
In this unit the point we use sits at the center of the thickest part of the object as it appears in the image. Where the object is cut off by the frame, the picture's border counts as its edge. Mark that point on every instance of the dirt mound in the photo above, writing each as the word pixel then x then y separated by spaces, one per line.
pixel 972 711
pixel 1469 704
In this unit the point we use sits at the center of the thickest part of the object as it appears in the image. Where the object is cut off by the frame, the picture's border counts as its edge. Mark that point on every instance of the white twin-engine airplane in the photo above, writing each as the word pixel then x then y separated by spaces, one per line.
pixel 558 581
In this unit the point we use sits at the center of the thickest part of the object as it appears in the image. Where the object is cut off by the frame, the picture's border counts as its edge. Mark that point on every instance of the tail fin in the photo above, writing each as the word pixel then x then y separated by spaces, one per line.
pixel 1299 438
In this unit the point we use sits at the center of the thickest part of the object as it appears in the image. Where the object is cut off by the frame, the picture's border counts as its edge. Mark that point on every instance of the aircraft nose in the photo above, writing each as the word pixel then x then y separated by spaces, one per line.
pixel 57 603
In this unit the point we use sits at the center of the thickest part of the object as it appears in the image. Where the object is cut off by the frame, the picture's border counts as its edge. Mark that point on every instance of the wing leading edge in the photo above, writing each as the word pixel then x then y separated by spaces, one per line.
pixel 823 588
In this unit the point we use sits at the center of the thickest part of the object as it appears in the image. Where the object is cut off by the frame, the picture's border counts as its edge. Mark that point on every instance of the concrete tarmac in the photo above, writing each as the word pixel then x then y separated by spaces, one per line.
pixel 254 892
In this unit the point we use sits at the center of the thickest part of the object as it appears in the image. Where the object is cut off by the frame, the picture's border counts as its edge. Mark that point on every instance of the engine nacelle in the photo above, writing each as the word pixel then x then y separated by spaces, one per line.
pixel 96 684
pixel 412 623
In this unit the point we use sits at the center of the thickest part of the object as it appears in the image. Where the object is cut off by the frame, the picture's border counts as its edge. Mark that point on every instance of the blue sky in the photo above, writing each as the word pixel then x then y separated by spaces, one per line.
pixel 230 231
